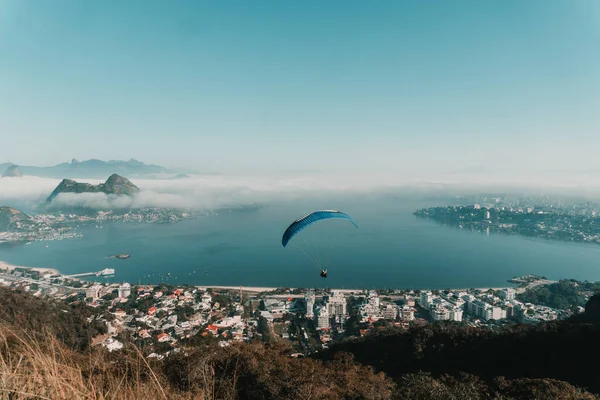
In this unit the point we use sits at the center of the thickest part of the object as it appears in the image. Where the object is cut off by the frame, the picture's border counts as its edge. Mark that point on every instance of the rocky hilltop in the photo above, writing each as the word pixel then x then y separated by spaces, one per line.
pixel 115 184
pixel 12 172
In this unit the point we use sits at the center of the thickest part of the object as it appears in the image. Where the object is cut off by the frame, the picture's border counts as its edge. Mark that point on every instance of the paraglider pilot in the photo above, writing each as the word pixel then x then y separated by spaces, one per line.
pixel 310 219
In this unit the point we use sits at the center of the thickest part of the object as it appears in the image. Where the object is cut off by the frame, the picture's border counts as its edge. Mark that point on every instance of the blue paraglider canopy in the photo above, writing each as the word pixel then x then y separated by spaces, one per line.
pixel 310 219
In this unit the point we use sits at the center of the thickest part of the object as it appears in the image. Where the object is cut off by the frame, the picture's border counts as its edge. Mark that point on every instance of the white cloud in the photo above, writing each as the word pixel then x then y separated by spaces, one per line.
pixel 27 189
pixel 213 191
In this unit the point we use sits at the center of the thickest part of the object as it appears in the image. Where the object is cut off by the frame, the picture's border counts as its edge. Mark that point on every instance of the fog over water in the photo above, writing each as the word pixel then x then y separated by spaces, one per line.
pixel 391 248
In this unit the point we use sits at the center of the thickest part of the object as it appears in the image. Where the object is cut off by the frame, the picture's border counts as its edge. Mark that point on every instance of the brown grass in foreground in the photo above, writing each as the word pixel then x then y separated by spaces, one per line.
pixel 46 353
pixel 45 369
pixel 31 368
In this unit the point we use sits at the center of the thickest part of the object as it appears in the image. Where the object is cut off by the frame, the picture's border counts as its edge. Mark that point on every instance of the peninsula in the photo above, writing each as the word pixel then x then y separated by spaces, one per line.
pixel 553 223
pixel 17 226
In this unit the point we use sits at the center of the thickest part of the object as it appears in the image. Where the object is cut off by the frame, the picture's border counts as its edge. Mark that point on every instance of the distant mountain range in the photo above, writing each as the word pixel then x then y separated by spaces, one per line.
pixel 95 169
pixel 12 172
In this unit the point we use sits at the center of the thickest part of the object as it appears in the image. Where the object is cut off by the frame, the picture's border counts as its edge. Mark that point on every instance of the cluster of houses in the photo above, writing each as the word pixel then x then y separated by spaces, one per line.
pixel 332 312
pixel 155 316
pixel 373 309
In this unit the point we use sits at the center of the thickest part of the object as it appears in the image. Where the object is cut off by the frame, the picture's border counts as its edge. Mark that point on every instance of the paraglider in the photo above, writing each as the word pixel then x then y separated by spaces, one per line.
pixel 302 223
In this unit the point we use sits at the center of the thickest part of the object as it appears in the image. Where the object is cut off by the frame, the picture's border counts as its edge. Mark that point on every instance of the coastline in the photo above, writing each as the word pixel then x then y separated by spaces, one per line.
pixel 10 267
pixel 258 289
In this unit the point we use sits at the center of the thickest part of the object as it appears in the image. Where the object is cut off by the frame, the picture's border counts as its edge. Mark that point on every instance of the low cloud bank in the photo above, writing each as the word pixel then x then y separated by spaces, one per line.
pixel 213 191
pixel 27 190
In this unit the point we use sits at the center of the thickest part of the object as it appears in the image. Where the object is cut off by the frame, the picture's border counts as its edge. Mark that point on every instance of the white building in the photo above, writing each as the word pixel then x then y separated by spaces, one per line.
pixel 456 314
pixel 322 317
pixel 93 292
pixel 309 299
pixel 486 311
pixel 233 321
pixel 112 344
pixel 390 311
pixel 442 310
pixel 336 303
pixel 368 311
pixel 494 312
pixel 373 299
pixel 426 299
pixel 408 313
pixel 439 313
pixel 507 294
pixel 124 290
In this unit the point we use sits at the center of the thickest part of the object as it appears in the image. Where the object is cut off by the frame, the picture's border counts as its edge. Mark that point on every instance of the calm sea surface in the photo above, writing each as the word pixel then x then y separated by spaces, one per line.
pixel 391 249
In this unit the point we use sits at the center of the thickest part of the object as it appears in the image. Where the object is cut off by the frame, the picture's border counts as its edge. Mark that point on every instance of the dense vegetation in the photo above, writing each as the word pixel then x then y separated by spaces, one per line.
pixel 554 350
pixel 523 362
pixel 562 295
pixel 70 323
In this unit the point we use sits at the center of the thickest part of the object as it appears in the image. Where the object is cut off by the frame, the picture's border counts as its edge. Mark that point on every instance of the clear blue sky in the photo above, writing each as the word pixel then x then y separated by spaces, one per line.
pixel 315 84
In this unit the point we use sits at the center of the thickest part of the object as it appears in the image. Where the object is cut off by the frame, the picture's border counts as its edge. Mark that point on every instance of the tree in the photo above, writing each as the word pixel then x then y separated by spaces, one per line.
pixel 109 296
pixel 223 300
pixel 265 330
pixel 353 326
pixel 562 295
pixel 184 312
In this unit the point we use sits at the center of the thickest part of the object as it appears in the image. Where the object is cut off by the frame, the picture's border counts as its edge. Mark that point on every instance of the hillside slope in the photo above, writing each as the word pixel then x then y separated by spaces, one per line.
pixel 67 367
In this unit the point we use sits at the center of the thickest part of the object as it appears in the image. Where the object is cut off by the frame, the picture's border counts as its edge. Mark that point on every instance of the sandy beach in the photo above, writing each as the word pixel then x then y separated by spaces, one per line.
pixel 256 289
pixel 245 288
pixel 7 266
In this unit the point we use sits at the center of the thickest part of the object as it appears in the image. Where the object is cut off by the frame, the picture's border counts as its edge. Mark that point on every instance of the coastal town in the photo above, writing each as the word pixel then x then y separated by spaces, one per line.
pixel 163 317
pixel 26 228
pixel 18 227
pixel 552 220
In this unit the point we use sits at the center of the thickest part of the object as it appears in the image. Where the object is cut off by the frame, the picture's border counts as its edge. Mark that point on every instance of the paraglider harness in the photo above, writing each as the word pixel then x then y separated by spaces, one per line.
pixel 324 273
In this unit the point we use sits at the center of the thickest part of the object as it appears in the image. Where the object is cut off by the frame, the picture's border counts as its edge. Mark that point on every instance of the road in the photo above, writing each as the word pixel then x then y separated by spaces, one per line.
pixel 39 282
pixel 533 284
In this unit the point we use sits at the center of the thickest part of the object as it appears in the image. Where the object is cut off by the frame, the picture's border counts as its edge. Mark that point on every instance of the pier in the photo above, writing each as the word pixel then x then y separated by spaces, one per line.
pixel 104 272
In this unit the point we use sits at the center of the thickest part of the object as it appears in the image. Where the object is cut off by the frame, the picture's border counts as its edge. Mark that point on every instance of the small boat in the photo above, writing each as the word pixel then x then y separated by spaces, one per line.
pixel 121 256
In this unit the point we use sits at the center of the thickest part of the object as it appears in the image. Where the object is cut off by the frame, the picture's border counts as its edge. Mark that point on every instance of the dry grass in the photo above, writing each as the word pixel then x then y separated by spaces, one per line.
pixel 37 366
pixel 35 369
